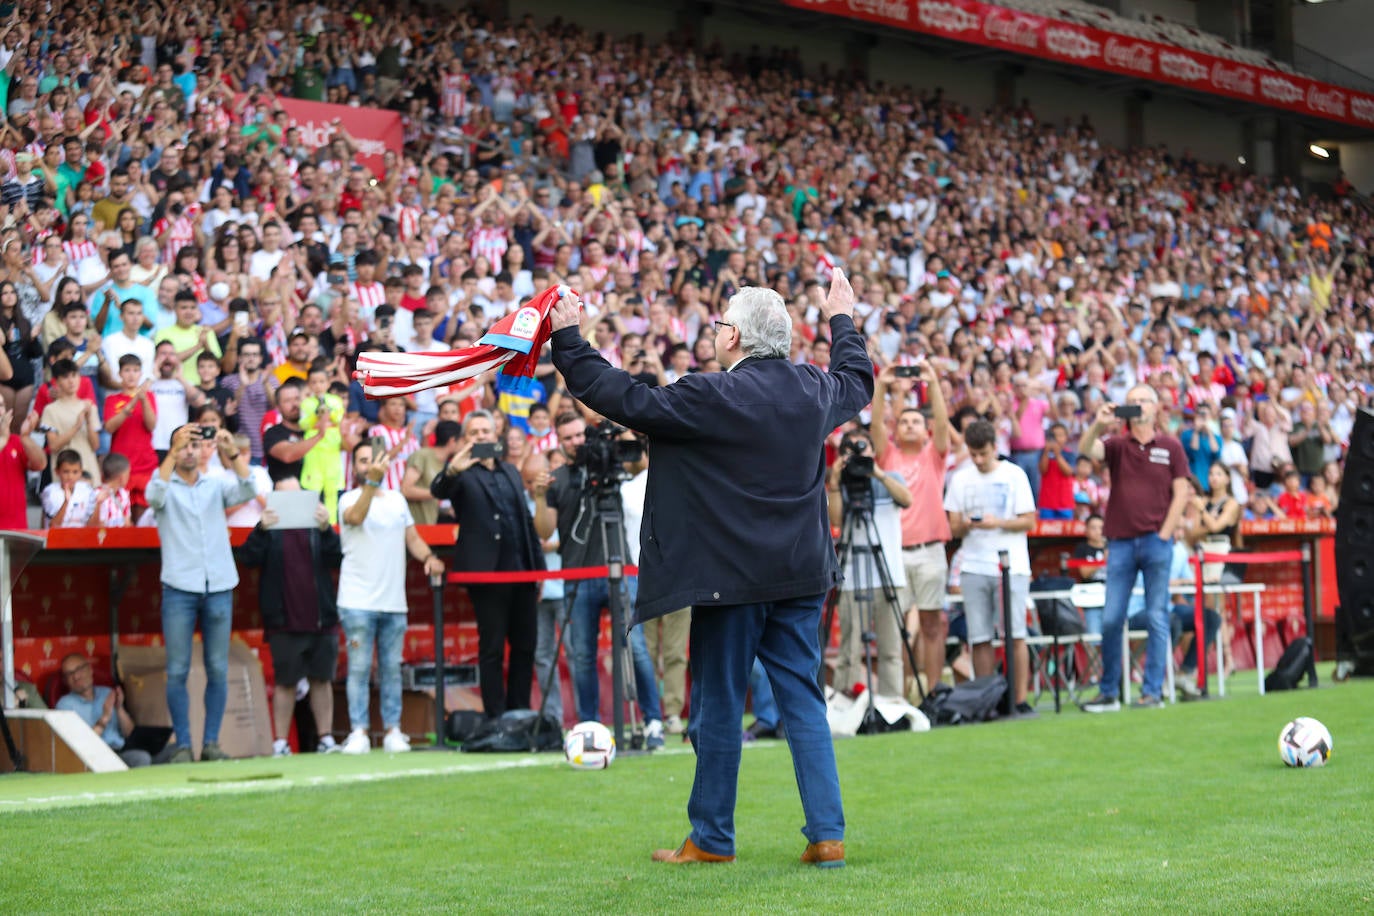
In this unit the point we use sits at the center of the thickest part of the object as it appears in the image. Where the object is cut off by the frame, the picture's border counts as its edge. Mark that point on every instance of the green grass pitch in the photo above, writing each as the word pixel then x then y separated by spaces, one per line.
pixel 1181 810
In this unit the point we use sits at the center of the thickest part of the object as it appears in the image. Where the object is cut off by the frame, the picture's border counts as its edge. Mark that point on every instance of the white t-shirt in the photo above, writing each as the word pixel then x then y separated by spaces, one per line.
pixel 632 494
pixel 116 345
pixel 373 576
pixel 1004 493
pixel 78 510
pixel 263 262
pixel 172 410
pixel 250 513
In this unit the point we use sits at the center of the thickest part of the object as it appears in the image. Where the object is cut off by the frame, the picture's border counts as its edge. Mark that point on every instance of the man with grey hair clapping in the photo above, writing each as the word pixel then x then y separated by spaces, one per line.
pixel 735 526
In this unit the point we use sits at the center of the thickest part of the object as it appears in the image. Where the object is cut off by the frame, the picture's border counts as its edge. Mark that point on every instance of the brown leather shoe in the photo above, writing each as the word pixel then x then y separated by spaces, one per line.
pixel 688 852
pixel 825 854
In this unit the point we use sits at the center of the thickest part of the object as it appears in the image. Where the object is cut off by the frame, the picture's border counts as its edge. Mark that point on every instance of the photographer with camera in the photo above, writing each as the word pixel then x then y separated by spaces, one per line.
pixel 917 450
pixel 1150 491
pixel 198 573
pixel 495 533
pixel 856 484
pixel 571 507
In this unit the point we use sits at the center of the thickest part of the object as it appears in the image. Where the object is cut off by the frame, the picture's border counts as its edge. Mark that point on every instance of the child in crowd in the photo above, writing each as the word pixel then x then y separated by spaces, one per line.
pixel 69 421
pixel 1319 499
pixel 247 515
pixel 130 416
pixel 207 371
pixel 69 500
pixel 112 507
pixel 1292 502
pixel 322 470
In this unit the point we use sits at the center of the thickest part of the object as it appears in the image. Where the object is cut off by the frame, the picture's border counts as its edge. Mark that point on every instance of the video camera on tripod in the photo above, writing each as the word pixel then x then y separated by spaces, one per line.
pixel 603 456
pixel 856 472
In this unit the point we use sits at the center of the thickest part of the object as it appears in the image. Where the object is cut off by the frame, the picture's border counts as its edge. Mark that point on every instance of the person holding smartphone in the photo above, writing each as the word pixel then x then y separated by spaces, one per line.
pixel 495 533
pixel 1149 474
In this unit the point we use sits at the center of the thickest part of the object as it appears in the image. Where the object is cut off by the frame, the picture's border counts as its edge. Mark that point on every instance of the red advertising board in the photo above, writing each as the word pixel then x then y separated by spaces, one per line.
pixel 375 130
pixel 1011 30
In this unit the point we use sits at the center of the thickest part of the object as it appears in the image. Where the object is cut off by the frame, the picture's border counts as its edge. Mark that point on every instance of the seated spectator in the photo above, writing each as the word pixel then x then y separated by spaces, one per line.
pixel 102 708
pixel 1094 548
pixel 69 500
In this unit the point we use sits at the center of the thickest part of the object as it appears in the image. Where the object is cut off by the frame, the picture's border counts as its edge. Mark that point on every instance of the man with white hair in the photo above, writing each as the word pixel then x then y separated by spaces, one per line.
pixel 1149 473
pixel 735 526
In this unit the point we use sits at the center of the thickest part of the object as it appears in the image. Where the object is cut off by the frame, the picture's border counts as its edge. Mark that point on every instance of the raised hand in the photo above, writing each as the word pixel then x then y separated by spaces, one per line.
pixel 840 299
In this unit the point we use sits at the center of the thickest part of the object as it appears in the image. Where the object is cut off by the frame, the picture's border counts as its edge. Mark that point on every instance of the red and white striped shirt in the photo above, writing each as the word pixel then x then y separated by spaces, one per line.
pixel 408 222
pixel 180 233
pixel 490 242
pixel 368 297
pixel 78 251
pixel 454 89
pixel 394 438
pixel 115 511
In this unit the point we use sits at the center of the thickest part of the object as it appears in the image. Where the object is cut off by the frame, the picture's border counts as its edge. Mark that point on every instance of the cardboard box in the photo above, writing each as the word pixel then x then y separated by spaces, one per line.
pixel 247 727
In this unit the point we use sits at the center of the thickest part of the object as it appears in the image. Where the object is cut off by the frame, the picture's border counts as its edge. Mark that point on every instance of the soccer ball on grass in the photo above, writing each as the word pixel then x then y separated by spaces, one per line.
pixel 589 746
pixel 1304 742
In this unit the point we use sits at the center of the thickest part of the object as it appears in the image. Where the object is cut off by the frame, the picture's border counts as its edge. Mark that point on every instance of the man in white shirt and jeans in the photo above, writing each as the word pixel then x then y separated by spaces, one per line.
pixel 377 531
pixel 991 508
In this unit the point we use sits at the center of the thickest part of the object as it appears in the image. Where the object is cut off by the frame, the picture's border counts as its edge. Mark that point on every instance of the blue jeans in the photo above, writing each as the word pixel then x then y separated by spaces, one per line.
pixel 1150 556
pixel 387 631
pixel 180 612
pixel 785 637
pixel 765 706
pixel 585 620
pixel 1028 460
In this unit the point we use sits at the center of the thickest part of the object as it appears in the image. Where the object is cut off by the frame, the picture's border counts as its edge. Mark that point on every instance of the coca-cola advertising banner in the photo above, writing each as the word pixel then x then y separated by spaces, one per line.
pixel 375 130
pixel 1083 46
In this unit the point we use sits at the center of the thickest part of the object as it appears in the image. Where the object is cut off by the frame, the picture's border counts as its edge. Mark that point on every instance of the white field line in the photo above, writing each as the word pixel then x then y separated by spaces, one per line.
pixel 253 783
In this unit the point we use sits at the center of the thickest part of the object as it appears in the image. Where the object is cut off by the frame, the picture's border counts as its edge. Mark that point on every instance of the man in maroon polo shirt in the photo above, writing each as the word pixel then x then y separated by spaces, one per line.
pixel 1149 473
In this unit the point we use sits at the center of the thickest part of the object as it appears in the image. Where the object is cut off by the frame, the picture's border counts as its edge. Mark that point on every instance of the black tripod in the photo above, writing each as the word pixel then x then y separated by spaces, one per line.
pixel 858 516
pixel 604 503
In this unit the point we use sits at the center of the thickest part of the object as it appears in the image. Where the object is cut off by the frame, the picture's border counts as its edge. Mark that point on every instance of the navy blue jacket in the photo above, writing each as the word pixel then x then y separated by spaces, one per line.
pixel 735 511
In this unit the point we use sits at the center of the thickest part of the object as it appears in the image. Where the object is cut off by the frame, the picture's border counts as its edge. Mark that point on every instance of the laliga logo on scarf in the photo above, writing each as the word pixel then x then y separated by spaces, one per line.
pixel 526 323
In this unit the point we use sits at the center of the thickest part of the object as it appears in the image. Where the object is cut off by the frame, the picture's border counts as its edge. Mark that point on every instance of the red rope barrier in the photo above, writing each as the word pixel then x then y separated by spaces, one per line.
pixel 539 575
pixel 1273 556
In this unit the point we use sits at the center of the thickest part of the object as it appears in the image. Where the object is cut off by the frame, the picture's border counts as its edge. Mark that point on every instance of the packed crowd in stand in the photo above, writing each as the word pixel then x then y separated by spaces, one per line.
pixel 171 252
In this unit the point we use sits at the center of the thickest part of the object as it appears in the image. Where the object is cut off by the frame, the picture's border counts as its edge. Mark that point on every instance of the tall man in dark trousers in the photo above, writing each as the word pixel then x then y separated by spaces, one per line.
pixel 1149 473
pixel 495 534
pixel 735 526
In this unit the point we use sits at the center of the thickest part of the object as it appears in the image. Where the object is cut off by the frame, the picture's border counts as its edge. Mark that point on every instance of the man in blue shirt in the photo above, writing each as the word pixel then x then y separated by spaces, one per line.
pixel 105 309
pixel 102 708
pixel 198 574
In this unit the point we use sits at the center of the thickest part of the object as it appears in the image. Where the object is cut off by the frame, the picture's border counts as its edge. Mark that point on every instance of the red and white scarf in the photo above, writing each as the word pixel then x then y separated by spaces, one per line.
pixel 513 344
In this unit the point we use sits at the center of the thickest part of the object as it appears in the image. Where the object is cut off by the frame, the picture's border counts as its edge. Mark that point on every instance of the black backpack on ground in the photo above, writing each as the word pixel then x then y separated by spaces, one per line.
pixel 972 701
pixel 1058 616
pixel 1292 666
pixel 517 730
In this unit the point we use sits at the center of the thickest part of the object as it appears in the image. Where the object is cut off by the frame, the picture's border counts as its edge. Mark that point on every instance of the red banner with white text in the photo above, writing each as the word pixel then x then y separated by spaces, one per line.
pixel 1011 30
pixel 374 130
